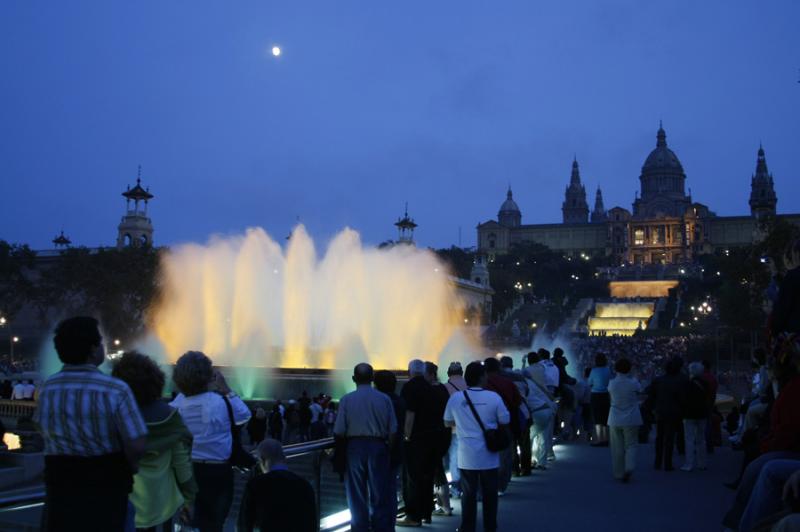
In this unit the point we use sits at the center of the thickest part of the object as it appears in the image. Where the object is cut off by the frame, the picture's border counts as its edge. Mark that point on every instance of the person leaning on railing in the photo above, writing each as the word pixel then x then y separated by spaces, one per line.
pixel 93 432
pixel 277 499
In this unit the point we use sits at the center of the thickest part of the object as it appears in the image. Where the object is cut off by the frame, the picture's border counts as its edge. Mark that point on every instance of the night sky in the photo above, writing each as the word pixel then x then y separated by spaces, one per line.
pixel 375 103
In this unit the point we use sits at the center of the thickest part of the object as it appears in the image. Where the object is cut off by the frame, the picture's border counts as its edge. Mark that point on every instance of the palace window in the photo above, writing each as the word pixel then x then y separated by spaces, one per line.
pixel 638 237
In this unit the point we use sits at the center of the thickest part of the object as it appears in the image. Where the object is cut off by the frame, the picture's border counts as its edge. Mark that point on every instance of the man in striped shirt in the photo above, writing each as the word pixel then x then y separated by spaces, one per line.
pixel 94 435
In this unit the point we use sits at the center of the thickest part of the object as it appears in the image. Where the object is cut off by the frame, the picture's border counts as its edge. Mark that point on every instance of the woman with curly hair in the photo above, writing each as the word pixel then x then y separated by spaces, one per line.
pixel 164 483
pixel 207 406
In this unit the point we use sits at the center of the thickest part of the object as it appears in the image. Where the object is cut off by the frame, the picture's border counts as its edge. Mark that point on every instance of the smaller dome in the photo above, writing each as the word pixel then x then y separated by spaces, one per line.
pixel 509 205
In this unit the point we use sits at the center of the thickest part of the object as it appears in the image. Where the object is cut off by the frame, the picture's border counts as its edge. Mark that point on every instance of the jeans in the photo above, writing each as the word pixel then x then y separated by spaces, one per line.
pixel 214 495
pixel 471 479
pixel 368 485
pixel 452 461
pixel 542 427
pixel 695 433
pixel 623 441
pixel 766 498
pixel 748 482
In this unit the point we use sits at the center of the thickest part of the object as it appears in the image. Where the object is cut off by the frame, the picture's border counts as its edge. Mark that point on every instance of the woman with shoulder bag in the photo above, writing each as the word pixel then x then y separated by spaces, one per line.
pixel 214 415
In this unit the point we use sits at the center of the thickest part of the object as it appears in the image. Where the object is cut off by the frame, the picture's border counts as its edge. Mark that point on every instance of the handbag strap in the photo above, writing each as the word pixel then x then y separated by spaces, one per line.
pixel 230 412
pixel 474 411
pixel 543 389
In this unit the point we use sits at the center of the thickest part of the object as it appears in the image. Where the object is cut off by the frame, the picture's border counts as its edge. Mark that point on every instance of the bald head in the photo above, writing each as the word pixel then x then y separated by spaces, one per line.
pixel 362 373
pixel 270 453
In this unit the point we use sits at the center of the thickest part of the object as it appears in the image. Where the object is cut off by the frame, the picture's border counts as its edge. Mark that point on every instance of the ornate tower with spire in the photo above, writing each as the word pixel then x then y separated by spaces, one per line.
pixel 509 215
pixel 599 213
pixel 762 190
pixel 575 209
pixel 405 229
pixel 136 229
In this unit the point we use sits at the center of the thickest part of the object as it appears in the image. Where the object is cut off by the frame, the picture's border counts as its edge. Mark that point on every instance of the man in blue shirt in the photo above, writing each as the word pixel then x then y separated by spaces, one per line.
pixel 367 422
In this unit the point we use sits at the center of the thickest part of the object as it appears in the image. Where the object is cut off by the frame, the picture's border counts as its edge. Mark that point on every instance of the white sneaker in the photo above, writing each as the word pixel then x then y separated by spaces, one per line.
pixel 687 468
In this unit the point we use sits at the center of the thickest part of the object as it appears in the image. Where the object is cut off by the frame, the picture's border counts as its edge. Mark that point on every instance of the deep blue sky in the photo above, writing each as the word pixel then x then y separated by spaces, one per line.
pixel 440 103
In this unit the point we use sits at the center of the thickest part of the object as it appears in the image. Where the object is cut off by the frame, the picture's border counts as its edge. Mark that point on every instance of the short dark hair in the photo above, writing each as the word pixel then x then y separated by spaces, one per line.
pixel 706 364
pixel 142 374
pixel 473 373
pixel 533 357
pixel 544 354
pixel 193 373
pixel 623 365
pixel 431 368
pixel 558 352
pixel 507 361
pixel 76 339
pixel 491 365
pixel 600 360
pixel 362 373
pixel 385 381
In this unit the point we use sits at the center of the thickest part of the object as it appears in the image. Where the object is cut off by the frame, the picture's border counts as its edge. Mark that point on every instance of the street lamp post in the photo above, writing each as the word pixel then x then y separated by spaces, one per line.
pixel 11 341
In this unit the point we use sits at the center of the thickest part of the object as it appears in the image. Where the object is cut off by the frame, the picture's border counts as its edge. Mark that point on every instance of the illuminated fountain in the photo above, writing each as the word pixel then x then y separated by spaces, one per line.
pixel 248 304
pixel 620 318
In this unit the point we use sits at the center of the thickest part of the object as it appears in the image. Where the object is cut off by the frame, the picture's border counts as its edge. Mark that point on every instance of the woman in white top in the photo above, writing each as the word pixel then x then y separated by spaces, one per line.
pixel 202 405
pixel 542 408
pixel 624 419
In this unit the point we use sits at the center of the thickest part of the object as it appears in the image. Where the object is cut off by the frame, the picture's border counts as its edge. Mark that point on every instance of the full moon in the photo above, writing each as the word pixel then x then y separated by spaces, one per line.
pixel 276 51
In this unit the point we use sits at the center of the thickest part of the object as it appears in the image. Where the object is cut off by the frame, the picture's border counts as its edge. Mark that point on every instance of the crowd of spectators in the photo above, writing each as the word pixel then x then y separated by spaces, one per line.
pixel 17 365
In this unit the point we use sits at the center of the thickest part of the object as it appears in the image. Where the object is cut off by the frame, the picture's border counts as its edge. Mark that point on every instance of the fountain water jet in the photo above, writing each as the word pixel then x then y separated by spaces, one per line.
pixel 248 303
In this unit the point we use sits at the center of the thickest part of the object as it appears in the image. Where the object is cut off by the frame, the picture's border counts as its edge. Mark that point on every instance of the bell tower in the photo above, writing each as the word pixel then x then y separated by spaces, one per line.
pixel 135 229
pixel 575 209
pixel 763 199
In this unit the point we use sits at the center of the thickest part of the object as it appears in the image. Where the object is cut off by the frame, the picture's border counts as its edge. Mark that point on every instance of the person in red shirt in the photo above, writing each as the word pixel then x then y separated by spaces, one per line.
pixel 512 399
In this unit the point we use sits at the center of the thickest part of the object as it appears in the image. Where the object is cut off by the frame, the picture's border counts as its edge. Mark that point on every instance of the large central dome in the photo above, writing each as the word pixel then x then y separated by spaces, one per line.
pixel 661 158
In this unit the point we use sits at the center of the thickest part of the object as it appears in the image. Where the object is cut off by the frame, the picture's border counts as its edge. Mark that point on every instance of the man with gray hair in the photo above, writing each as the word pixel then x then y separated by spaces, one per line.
pixel 277 499
pixel 367 423
pixel 420 437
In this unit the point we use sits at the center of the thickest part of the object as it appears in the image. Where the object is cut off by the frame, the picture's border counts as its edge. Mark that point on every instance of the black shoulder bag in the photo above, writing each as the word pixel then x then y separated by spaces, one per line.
pixel 239 457
pixel 496 439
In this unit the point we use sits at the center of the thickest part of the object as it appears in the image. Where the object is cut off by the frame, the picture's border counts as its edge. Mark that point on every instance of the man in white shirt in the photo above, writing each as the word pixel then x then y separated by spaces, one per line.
pixel 478 465
pixel 551 377
pixel 19 391
pixel 316 429
pixel 28 391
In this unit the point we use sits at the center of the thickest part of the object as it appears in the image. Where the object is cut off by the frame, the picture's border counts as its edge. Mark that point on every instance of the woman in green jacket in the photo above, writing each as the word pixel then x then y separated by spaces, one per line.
pixel 164 484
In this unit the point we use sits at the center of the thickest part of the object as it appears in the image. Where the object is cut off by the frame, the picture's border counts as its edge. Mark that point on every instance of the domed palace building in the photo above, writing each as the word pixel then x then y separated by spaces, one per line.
pixel 665 226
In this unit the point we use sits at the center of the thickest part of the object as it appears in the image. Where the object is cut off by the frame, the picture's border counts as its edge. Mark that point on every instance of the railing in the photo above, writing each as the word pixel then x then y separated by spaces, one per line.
pixel 16 409
pixel 310 460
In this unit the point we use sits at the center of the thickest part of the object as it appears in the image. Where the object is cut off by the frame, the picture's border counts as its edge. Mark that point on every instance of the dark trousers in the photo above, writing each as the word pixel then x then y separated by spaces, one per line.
pixel 471 479
pixel 166 526
pixel 86 493
pixel 421 455
pixel 214 495
pixel 667 432
pixel 89 512
pixel 522 459
pixel 368 485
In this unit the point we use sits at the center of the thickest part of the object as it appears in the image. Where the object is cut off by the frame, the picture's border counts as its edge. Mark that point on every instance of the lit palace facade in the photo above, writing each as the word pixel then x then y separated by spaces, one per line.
pixel 664 227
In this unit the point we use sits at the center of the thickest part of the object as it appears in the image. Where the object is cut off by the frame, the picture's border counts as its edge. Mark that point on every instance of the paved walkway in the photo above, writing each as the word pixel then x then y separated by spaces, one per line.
pixel 578 492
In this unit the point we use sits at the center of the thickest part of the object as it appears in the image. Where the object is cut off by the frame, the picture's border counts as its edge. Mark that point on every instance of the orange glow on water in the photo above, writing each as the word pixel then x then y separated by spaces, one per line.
pixel 247 302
